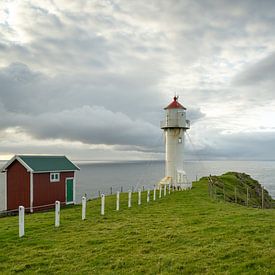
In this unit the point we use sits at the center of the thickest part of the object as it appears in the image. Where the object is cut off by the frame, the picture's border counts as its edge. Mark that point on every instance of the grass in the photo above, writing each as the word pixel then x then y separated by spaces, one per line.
pixel 183 233
pixel 240 188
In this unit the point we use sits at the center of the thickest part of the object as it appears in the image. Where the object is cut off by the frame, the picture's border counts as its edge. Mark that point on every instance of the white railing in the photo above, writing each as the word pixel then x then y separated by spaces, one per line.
pixel 175 123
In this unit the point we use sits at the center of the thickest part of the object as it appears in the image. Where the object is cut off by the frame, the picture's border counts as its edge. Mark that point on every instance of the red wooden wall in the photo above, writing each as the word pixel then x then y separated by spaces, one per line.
pixel 18 186
pixel 46 192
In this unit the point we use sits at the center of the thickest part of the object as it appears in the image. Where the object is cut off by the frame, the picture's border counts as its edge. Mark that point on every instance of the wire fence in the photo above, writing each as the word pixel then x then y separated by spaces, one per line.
pixel 244 195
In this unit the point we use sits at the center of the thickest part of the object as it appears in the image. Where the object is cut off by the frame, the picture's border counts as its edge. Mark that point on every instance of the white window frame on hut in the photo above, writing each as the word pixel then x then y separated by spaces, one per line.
pixel 54 177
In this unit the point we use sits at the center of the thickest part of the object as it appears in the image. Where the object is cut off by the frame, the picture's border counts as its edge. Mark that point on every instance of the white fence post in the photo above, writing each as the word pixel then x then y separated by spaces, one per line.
pixel 139 197
pixel 21 221
pixel 102 204
pixel 130 198
pixel 117 200
pixel 164 193
pixel 57 214
pixel 160 191
pixel 84 203
pixel 154 197
pixel 169 189
pixel 148 196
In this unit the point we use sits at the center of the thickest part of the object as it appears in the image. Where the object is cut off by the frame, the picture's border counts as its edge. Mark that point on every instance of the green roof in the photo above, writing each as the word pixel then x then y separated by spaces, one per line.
pixel 48 163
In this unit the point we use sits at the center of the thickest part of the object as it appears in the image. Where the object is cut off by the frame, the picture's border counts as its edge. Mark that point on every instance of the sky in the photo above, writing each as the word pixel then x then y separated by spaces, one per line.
pixel 90 79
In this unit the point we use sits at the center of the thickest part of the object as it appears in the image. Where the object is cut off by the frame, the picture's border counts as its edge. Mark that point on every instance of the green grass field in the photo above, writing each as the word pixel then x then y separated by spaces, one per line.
pixel 186 232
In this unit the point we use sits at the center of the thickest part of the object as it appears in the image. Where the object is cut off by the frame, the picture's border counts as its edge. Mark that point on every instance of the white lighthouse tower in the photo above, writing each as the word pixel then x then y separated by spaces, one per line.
pixel 175 126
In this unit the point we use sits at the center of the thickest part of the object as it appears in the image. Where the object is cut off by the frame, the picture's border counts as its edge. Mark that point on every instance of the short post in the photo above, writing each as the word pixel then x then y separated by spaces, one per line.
pixel 247 195
pixel 262 198
pixel 117 200
pixel 130 198
pixel 235 192
pixel 84 203
pixel 21 210
pixel 148 196
pixel 121 189
pixel 213 190
pixel 164 193
pixel 111 190
pixel 102 204
pixel 169 189
pixel 196 177
pixel 155 191
pixel 209 188
pixel 160 191
pixel 139 197
pixel 57 214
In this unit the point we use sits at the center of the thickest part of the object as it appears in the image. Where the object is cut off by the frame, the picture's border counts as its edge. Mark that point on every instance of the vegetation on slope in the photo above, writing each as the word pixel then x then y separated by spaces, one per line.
pixel 240 188
pixel 186 232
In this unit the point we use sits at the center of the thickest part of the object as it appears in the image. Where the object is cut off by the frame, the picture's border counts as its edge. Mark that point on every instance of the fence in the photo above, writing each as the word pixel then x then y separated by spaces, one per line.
pixel 114 189
pixel 129 202
pixel 243 196
pixel 93 195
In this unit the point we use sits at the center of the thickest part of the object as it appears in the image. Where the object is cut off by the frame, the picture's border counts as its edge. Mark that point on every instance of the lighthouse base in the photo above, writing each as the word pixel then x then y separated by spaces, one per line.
pixel 180 183
pixel 166 181
pixel 184 186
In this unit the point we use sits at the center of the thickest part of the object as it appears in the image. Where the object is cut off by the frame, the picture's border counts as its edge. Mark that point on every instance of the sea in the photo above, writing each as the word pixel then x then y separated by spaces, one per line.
pixel 108 177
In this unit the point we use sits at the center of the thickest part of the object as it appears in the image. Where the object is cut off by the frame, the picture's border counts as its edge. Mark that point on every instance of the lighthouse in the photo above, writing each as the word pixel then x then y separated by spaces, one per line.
pixel 175 126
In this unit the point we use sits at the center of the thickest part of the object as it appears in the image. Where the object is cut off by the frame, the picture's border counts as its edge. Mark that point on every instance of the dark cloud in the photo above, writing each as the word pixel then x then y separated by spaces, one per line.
pixel 195 114
pixel 251 145
pixel 93 125
pixel 37 105
pixel 23 90
pixel 261 72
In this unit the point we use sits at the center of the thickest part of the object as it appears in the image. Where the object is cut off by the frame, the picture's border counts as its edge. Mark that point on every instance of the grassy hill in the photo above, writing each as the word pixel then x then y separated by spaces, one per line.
pixel 186 232
pixel 239 188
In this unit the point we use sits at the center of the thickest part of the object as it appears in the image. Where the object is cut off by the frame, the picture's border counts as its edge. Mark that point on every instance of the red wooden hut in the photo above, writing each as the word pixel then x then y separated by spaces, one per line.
pixel 34 181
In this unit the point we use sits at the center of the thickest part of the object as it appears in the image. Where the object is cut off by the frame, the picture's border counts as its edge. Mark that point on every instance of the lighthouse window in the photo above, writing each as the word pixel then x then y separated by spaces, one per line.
pixel 180 140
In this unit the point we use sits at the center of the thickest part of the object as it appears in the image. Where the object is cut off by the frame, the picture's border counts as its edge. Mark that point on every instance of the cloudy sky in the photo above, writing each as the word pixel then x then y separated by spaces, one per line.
pixel 89 79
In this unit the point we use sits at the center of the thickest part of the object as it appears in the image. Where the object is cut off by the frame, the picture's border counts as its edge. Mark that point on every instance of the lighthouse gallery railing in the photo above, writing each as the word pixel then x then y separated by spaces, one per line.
pixel 175 123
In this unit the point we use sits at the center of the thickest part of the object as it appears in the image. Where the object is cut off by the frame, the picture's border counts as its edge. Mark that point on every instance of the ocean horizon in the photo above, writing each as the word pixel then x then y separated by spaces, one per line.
pixel 108 176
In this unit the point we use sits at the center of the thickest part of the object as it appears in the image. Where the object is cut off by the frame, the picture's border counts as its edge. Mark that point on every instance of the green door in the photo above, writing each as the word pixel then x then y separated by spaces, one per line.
pixel 69 190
